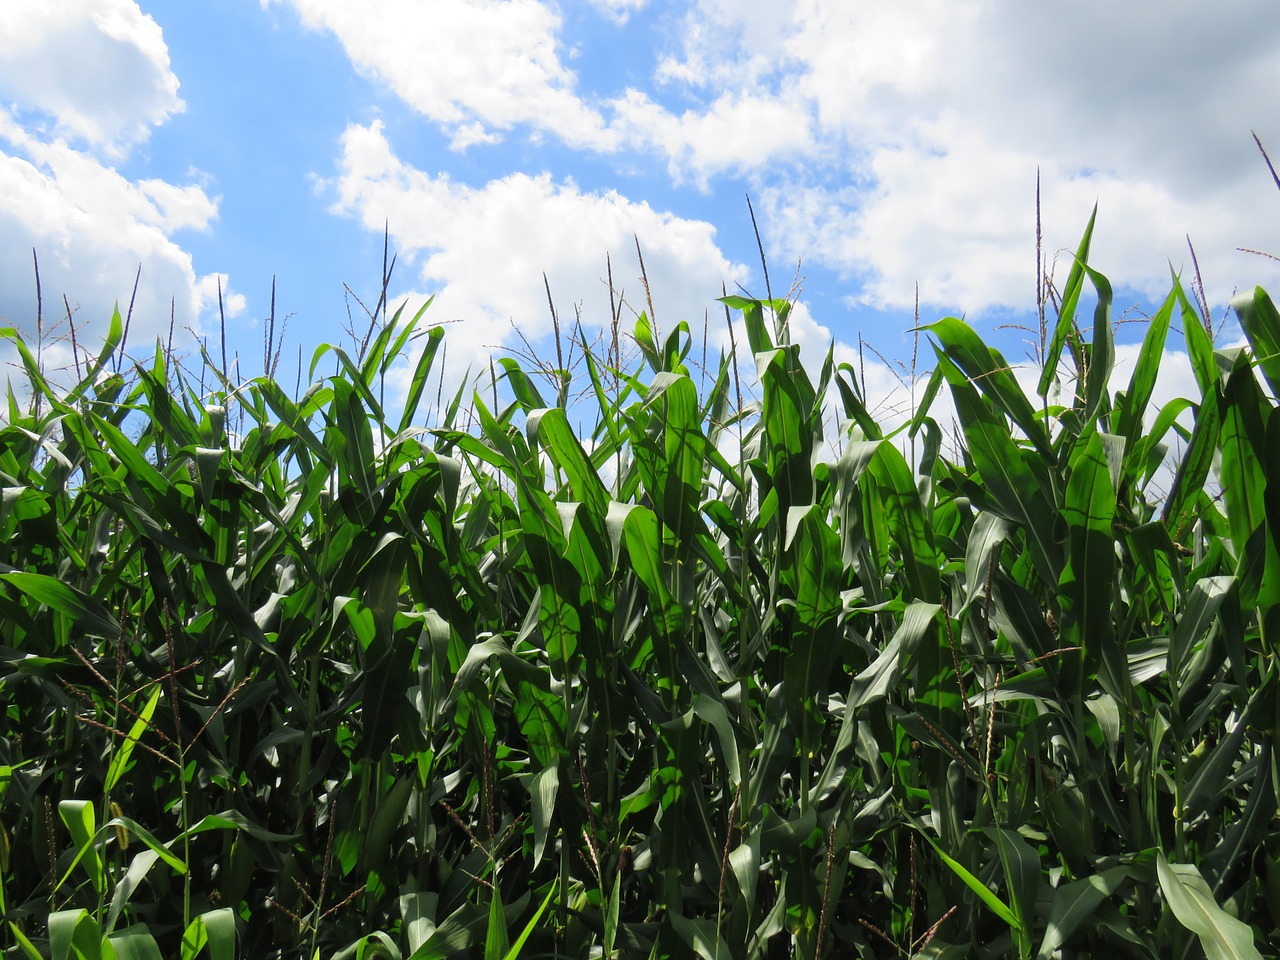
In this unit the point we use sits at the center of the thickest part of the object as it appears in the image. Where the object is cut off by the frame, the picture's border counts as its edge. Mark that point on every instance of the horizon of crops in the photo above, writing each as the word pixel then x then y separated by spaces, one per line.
pixel 685 683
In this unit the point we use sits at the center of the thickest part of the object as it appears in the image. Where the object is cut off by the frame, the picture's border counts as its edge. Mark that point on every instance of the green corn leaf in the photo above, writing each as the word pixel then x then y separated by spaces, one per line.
pixel 1066 315
pixel 988 370
pixel 496 942
pixel 1222 936
pixel 1022 874
pixel 421 370
pixel 70 602
pixel 908 520
pixel 531 926
pixel 1016 492
pixel 712 711
pixel 1199 342
pixel 1200 608
pixel 758 336
pixel 1074 904
pixel 996 905
pixel 135 943
pixel 1101 352
pixel 1188 481
pixel 295 416
pixel 543 790
pixel 1261 323
pixel 214 933
pixel 550 428
pixel 875 682
pixel 28 948
pixel 74 935
pixel 644 340
pixel 139 867
pixel 1142 384
pixel 1086 586
pixel 120 761
pixel 132 459
pixel 376 842
pixel 644 548
pixel 351 445
pixel 701 936
pixel 81 820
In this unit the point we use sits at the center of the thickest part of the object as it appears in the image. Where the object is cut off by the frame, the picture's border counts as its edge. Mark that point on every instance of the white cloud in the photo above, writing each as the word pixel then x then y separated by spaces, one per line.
pixel 930 118
pixel 619 11
pixel 99 69
pixel 737 132
pixel 896 143
pixel 468 65
pixel 87 80
pixel 484 250
pixel 91 229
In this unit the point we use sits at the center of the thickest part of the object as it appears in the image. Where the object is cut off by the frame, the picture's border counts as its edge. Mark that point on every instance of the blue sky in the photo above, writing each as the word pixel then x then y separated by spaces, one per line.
pixel 885 146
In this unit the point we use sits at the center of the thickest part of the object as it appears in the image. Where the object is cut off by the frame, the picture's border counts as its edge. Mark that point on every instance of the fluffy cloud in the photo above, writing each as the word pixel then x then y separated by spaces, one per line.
pixel 737 133
pixel 485 249
pixel 97 69
pixel 948 109
pixel 88 80
pixel 91 229
pixel 469 65
pixel 898 143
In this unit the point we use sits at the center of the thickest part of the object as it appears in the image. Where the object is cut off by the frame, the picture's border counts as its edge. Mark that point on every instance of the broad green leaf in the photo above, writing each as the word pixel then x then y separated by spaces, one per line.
pixel 644 548
pixel 1086 587
pixel 120 760
pixel 1199 343
pixel 421 370
pixel 543 789
pixel 1066 314
pixel 1188 482
pixel 997 906
pixel 531 926
pixel 550 428
pixel 909 522
pixel 74 935
pixel 987 369
pixel 874 683
pixel 701 936
pixel 136 943
pixel 213 933
pixel 68 601
pixel 1101 352
pixel 1015 491
pixel 1074 904
pixel 1022 873
pixel 496 942
pixel 1142 383
pixel 375 845
pixel 1221 935
pixel 139 867
pixel 81 820
pixel 1261 323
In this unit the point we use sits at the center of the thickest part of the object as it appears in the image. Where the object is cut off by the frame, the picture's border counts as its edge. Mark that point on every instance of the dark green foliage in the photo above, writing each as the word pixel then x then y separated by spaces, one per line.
pixel 281 679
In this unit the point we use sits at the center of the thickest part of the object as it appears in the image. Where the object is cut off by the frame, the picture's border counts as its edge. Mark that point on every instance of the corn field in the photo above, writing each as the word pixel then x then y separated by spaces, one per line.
pixel 643 668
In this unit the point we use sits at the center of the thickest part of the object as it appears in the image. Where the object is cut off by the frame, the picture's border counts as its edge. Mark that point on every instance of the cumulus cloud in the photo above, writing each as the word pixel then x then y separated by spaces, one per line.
pixel 897 143
pixel 472 66
pixel 484 249
pixel 91 229
pixel 948 109
pixel 737 133
pixel 96 70
pixel 88 80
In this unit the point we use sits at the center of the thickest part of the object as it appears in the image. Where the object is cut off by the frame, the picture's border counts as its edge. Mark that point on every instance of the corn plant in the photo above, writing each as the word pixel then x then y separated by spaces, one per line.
pixel 298 674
